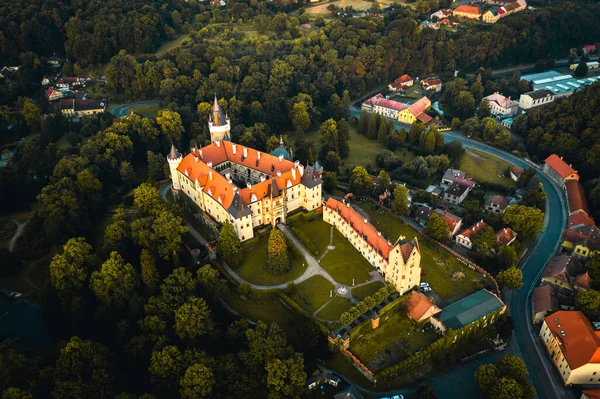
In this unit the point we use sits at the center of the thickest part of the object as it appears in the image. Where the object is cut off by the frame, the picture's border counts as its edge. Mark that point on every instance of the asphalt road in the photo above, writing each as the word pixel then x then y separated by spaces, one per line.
pixel 125 109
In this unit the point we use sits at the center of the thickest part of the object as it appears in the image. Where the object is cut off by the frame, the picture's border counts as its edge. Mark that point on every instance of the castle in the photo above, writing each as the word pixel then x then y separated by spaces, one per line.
pixel 244 186
pixel 399 263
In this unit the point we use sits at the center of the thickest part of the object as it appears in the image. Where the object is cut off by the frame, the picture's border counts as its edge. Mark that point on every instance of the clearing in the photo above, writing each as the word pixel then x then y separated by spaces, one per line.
pixel 253 268
pixel 396 338
pixel 438 264
pixel 358 5
pixel 312 293
pixel 483 167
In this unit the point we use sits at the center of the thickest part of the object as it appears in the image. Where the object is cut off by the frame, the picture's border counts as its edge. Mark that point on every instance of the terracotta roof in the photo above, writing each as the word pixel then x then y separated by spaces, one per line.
pixel 584 281
pixel 431 82
pixel 365 229
pixel 418 304
pixel 517 171
pixel 544 299
pixel 468 10
pixel 418 107
pixel 576 196
pixel 497 199
pixel 506 236
pixel 589 240
pixel 451 220
pixel 589 47
pixel 87 105
pixel 592 393
pixel 558 165
pixel 504 102
pixel 557 266
pixel 401 81
pixel 380 101
pixel 474 230
pixel 424 118
pixel 580 344
pixel 580 219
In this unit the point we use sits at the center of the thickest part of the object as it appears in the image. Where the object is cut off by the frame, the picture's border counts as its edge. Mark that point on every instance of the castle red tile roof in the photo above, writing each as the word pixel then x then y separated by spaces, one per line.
pixel 506 236
pixel 365 229
pixel 418 107
pixel 560 166
pixel 475 229
pixel 580 343
pixel 418 304
pixel 468 10
pixel 576 196
pixel 580 219
pixel 401 81
pixel 380 101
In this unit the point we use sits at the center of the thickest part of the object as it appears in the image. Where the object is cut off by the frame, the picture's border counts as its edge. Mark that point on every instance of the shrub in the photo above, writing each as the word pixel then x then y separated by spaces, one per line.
pixel 244 289
pixel 312 248
pixel 263 294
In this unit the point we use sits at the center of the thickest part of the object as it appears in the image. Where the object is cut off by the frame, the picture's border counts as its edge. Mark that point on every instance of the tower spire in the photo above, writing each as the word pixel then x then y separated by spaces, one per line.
pixel 173 153
pixel 281 141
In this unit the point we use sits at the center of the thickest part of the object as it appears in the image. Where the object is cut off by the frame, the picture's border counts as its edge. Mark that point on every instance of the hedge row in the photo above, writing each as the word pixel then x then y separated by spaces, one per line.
pixel 312 248
pixel 293 305
pixel 366 304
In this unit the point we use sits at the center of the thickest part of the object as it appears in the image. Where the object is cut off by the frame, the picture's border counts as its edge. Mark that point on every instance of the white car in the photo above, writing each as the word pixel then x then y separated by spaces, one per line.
pixel 426 289
pixel 423 285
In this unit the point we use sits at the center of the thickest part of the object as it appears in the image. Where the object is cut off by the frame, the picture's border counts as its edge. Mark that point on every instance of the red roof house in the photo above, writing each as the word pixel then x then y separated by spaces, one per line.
pixel 576 197
pixel 420 307
pixel 559 170
pixel 401 83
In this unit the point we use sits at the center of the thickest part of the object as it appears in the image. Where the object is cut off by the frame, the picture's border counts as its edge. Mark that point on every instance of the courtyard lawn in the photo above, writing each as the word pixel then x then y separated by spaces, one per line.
pixel 312 293
pixel 364 291
pixel 316 230
pixel 438 264
pixel 334 308
pixel 396 337
pixel 345 263
pixel 253 268
pixel 483 167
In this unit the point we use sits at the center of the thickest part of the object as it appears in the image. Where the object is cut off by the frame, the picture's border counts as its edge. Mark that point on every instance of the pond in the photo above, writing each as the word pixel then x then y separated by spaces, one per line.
pixel 22 321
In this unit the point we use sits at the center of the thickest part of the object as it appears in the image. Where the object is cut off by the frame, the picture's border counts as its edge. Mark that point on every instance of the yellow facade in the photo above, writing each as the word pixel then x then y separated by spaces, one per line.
pixel 490 18
pixel 405 116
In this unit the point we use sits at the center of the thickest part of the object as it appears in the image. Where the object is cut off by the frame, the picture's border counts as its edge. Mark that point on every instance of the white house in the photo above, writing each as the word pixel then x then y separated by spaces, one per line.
pixel 536 98
pixel 465 238
pixel 500 105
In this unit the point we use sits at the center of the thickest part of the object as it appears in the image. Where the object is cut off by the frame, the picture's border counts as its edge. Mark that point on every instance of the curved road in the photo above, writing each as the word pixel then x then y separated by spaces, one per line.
pixel 125 109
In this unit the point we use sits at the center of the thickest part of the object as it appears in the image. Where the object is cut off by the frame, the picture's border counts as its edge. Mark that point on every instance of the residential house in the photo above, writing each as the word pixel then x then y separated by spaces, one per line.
pixel 451 174
pixel 465 11
pixel 67 83
pixel 581 243
pixel 574 347
pixel 506 236
pixel 399 263
pixel 491 16
pixel 454 222
pixel 516 172
pixel 496 204
pixel 441 14
pixel 435 190
pixel 481 306
pixel 53 94
pixel 434 84
pixel 582 282
pixel 536 98
pixel 54 61
pixel 589 48
pixel 74 108
pixel 382 106
pixel 403 82
pixel 501 106
pixel 558 170
pixel 456 192
pixel 272 186
pixel 580 220
pixel 420 307
pixel 416 111
pixel 465 238
pixel 576 198
pixel 558 272
pixel 544 302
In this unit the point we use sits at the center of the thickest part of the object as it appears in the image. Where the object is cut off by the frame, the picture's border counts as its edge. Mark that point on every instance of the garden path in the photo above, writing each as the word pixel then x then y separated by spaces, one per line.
pixel 20 227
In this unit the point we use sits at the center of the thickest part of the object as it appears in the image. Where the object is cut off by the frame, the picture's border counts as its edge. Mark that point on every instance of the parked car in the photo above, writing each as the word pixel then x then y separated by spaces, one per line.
pixel 426 289
pixel 424 284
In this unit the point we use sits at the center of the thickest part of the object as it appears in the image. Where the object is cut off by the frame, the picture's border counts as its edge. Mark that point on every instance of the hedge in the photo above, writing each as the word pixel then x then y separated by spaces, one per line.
pixel 263 294
pixel 312 248
pixel 293 305
pixel 366 304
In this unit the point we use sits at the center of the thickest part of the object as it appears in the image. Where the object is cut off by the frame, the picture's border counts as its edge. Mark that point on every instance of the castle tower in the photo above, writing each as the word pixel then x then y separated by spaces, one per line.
pixel 174 158
pixel 218 123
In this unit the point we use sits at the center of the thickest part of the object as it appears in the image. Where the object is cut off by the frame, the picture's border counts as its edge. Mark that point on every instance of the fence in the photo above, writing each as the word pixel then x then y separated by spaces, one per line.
pixel 359 365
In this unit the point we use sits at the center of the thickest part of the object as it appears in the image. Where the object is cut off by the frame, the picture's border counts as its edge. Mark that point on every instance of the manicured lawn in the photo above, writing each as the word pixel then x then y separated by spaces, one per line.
pixel 148 111
pixel 397 335
pixel 438 264
pixel 345 263
pixel 334 309
pixel 365 290
pixel 315 230
pixel 312 293
pixel 483 167
pixel 253 269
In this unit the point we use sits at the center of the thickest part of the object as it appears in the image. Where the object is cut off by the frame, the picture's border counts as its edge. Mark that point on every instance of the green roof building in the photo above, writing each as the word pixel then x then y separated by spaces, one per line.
pixel 470 309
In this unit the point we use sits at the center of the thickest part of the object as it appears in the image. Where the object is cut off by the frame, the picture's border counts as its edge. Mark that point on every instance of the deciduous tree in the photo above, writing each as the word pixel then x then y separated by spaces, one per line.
pixel 197 382
pixel 401 203
pixel 588 301
pixel 192 319
pixel 485 241
pixel 360 181
pixel 511 278
pixel 229 246
pixel 437 228
pixel 115 282
pixel 286 378
pixel 526 221
pixel 277 260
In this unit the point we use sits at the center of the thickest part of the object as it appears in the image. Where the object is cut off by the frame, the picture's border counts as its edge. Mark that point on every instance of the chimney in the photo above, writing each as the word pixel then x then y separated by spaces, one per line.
pixel 249 186
pixel 365 220
pixel 200 151
pixel 196 158
pixel 245 152
pixel 218 143
pixel 278 173
pixel 258 155
pixel 294 174
pixel 187 173
pixel 210 175
pixel 348 205
pixel 233 148
pixel 262 178
pixel 296 163
pixel 379 234
pixel 280 158
pixel 228 177
pixel 209 164
pixel 374 321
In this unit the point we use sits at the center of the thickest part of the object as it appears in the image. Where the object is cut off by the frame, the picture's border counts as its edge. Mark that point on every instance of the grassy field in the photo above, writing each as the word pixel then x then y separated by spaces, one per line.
pixel 397 336
pixel 63 144
pixel 483 167
pixel 171 44
pixel 148 111
pixel 365 290
pixel 334 309
pixel 345 263
pixel 316 230
pixel 358 5
pixel 253 269
pixel 438 264
pixel 312 293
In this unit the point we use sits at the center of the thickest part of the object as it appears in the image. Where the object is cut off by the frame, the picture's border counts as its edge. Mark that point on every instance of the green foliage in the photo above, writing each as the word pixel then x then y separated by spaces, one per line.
pixel 146 198
pixel 382 131
pixel 310 246
pixel 366 304
pixel 149 272
pixel 360 181
pixel 512 366
pixel 277 261
pixel 197 382
pixel 210 280
pixel 244 289
pixel 330 181
pixel 229 246
pixel 485 241
pixel 69 271
pixel 115 282
pixel 192 318
pixel 511 278
pixel 486 376
pixel 526 221
pixel 437 228
pixel 286 378
pixel 588 301
pixel 16 393
pixel 507 379
pixel 400 203
pixel 425 391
